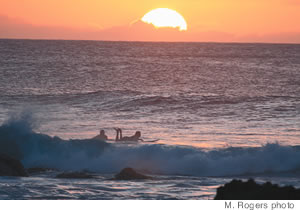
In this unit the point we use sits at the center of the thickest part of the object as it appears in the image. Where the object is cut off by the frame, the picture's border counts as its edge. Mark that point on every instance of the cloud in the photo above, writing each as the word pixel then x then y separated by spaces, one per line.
pixel 19 29
pixel 286 37
pixel 137 31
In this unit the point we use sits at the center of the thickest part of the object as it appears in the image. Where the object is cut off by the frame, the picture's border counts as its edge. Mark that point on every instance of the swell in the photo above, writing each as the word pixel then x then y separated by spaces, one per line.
pixel 18 140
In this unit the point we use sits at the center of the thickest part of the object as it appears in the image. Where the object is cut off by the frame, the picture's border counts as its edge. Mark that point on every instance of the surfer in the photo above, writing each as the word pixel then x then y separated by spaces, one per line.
pixel 135 137
pixel 101 136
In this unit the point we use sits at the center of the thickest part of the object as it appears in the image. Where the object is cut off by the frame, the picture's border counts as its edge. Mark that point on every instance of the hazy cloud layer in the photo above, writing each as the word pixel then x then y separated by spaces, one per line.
pixel 138 31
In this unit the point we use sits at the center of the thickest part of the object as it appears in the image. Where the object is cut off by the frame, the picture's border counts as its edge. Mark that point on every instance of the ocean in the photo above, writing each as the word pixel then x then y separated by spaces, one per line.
pixel 219 110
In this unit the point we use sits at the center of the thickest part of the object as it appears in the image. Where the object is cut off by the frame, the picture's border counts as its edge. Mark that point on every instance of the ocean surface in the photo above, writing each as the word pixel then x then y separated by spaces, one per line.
pixel 219 111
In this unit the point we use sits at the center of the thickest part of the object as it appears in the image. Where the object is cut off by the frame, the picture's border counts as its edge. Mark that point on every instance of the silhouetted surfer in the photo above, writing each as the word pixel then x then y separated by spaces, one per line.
pixel 101 136
pixel 135 137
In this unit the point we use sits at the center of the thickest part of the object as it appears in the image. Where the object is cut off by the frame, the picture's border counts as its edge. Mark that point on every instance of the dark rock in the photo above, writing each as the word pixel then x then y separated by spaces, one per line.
pixel 75 175
pixel 250 190
pixel 130 174
pixel 38 170
pixel 11 167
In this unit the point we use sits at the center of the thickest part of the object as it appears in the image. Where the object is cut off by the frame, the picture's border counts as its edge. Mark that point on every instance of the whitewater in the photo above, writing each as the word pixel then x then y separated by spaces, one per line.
pixel 18 140
pixel 220 111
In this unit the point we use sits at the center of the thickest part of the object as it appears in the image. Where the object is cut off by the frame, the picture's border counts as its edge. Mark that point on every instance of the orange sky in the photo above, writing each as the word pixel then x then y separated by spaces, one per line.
pixel 208 20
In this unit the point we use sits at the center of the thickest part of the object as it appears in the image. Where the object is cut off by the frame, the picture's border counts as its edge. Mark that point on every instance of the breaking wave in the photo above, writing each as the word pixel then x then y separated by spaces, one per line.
pixel 18 140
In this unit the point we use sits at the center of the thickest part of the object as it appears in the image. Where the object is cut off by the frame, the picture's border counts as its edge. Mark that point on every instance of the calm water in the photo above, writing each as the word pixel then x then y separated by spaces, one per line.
pixel 223 97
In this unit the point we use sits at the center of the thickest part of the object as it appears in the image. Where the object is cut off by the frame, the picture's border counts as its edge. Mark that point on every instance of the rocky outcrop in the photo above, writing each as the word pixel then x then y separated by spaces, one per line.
pixel 250 190
pixel 11 167
pixel 130 174
pixel 75 175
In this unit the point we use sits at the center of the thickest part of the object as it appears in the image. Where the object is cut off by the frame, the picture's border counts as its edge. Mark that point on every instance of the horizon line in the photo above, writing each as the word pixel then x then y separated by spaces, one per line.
pixel 204 42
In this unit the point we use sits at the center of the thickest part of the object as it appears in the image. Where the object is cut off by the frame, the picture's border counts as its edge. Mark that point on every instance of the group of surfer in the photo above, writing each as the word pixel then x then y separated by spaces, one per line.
pixel 119 137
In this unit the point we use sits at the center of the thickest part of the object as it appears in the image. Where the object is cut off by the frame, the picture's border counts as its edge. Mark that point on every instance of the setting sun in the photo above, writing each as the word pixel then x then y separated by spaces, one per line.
pixel 163 17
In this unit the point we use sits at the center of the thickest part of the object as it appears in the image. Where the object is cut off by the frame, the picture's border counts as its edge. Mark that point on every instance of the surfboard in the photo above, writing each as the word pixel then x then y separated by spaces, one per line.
pixel 150 141
pixel 132 142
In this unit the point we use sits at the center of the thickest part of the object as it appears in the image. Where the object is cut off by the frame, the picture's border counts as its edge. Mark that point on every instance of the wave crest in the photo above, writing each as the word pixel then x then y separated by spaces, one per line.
pixel 17 139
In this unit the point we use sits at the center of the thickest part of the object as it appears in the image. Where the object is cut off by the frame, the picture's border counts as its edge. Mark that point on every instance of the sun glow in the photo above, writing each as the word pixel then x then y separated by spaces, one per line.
pixel 163 17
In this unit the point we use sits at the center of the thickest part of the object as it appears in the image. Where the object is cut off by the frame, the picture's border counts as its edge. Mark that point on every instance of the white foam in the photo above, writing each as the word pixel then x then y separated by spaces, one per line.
pixel 39 150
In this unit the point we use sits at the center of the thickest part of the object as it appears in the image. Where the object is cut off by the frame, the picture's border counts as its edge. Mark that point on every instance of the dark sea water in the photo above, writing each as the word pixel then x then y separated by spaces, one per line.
pixel 219 111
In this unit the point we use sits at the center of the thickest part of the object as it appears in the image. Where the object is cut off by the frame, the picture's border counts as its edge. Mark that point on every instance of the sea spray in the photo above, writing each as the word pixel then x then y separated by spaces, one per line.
pixel 39 150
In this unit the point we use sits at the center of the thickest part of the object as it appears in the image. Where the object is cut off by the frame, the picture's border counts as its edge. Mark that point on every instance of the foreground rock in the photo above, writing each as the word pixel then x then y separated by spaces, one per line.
pixel 11 167
pixel 75 175
pixel 130 174
pixel 239 190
